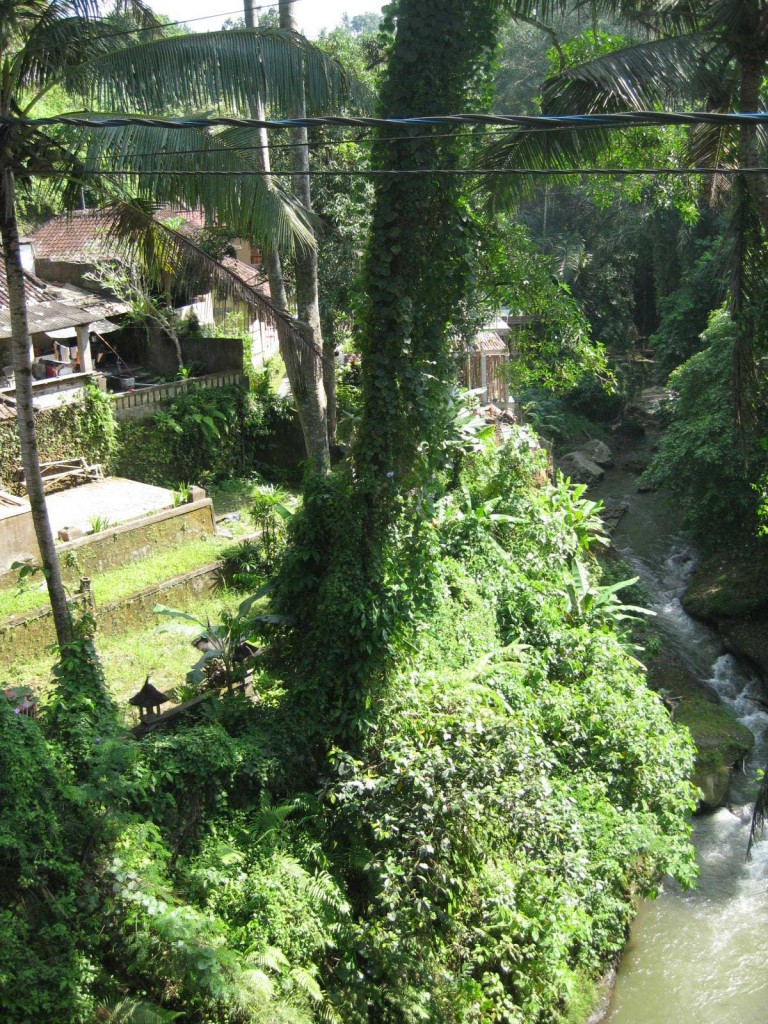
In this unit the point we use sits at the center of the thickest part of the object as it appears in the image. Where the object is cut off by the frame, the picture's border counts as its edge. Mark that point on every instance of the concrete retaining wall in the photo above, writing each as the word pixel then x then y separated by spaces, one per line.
pixel 108 549
pixel 26 636
pixel 146 401
pixel 140 538
pixel 17 539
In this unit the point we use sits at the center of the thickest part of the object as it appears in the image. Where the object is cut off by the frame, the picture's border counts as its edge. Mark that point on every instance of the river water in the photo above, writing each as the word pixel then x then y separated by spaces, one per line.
pixel 696 957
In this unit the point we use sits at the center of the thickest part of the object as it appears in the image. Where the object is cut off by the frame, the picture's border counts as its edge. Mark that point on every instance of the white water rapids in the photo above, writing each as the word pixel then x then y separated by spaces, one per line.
pixel 696 957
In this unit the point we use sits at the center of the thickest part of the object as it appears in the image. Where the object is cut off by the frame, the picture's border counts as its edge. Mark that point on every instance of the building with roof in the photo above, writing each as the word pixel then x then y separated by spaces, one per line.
pixel 61 322
pixel 69 248
pixel 482 368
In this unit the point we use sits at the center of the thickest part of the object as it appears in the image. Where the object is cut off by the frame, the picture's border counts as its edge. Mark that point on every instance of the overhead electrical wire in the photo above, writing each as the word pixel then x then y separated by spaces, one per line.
pixel 544 122
pixel 415 171
pixel 639 118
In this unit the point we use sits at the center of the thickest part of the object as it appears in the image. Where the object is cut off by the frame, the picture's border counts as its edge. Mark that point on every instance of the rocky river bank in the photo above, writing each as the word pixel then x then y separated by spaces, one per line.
pixel 728 592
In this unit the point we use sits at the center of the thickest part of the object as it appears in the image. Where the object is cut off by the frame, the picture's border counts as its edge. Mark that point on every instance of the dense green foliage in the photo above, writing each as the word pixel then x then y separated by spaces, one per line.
pixel 476 858
pixel 702 460
pixel 205 434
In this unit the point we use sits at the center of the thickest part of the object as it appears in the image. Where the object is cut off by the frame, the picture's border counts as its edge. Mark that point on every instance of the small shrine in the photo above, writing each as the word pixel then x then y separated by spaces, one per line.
pixel 148 700
pixel 23 700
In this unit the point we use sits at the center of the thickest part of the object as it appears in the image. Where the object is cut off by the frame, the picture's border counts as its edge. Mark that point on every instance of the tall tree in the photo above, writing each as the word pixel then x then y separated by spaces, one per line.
pixel 358 539
pixel 316 381
pixel 709 54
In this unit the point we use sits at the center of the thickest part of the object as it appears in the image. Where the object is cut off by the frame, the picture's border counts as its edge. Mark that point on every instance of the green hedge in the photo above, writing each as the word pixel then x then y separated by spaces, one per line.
pixel 83 428
pixel 206 434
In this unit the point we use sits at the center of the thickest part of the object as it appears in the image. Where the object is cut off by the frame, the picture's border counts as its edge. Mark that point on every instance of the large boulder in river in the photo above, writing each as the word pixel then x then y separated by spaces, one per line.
pixel 747 639
pixel 730 591
pixel 729 585
pixel 580 468
pixel 598 451
pixel 721 740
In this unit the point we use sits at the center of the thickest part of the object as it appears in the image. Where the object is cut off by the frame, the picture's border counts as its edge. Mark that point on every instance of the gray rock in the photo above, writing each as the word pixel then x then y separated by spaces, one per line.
pixel 580 468
pixel 598 451
pixel 612 513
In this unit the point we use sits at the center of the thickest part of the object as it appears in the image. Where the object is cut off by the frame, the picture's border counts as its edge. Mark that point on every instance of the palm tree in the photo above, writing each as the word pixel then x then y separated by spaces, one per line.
pixel 69 43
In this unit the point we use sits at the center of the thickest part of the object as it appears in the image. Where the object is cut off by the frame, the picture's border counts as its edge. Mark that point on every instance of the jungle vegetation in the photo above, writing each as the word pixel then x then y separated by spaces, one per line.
pixel 450 783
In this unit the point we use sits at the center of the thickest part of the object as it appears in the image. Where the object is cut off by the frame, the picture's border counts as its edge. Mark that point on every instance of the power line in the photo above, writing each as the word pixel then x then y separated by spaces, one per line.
pixel 159 26
pixel 535 122
pixel 420 171
pixel 312 145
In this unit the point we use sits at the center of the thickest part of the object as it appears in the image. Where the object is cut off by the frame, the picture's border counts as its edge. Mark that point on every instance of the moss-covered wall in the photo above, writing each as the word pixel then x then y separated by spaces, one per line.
pixel 141 538
pixel 26 636
pixel 80 429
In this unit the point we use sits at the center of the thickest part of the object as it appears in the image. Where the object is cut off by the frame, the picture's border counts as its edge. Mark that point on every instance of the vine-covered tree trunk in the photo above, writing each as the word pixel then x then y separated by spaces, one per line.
pixel 303 362
pixel 25 411
pixel 360 559
pixel 416 269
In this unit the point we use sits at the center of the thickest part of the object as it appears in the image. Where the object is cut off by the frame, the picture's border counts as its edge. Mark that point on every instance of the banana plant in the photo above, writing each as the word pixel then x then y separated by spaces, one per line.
pixel 580 599
pixel 229 648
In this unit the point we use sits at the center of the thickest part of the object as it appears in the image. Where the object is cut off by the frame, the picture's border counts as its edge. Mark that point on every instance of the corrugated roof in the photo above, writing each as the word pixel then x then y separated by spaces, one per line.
pixel 487 341
pixel 83 234
pixel 47 316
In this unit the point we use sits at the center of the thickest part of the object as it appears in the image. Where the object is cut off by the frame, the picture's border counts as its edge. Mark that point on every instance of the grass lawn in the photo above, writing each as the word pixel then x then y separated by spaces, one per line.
pixel 156 651
pixel 127 579
pixel 152 650
pixel 229 497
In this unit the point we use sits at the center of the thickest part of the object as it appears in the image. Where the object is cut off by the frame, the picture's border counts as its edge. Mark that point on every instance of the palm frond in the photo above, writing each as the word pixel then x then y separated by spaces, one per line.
pixel 221 70
pixel 524 149
pixel 252 206
pixel 637 77
pixel 662 18
pixel 58 39
pixel 134 1011
pixel 164 251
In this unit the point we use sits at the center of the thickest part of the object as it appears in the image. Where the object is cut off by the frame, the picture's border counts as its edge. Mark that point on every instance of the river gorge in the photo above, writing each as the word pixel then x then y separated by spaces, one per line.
pixel 695 957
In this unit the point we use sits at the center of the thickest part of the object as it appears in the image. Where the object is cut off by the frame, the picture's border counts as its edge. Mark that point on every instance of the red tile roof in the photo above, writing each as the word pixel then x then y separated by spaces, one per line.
pixel 82 234
pixel 34 289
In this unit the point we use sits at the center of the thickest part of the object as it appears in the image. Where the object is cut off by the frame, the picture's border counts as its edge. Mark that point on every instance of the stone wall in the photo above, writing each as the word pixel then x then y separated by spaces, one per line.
pixel 25 636
pixel 17 537
pixel 139 538
pixel 146 401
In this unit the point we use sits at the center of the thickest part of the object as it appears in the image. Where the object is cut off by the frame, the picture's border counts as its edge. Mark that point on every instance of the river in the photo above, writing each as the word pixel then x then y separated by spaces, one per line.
pixel 696 957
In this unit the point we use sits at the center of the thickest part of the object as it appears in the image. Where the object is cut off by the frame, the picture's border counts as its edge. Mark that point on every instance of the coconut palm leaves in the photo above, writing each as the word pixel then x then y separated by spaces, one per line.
pixel 193 167
pixel 232 71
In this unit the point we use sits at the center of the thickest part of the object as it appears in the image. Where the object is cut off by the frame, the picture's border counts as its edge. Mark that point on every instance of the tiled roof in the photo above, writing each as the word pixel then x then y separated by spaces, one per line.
pixel 45 309
pixel 83 234
pixel 34 289
pixel 248 275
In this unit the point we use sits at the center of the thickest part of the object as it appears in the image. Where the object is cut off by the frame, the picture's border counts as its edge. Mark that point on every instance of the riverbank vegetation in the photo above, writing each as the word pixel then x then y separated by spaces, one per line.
pixel 477 855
